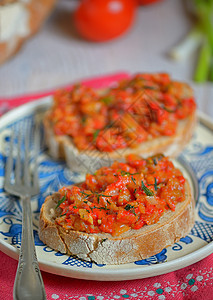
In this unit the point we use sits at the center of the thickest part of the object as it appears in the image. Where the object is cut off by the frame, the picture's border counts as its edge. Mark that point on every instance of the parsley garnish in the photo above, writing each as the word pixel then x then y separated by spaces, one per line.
pixel 147 191
pixel 60 201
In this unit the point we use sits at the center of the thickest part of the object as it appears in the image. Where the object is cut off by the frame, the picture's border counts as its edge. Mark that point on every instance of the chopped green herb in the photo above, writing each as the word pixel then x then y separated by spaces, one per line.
pixel 95 134
pixel 109 125
pixel 104 195
pixel 147 191
pixel 157 158
pixel 86 195
pixel 103 240
pixel 155 185
pixel 169 110
pixel 127 173
pixel 83 119
pixel 133 179
pixel 60 201
pixel 107 100
pixel 62 215
pixel 131 208
pixel 102 207
pixel 94 194
pixel 155 161
pixel 149 87
pixel 128 207
pixel 75 207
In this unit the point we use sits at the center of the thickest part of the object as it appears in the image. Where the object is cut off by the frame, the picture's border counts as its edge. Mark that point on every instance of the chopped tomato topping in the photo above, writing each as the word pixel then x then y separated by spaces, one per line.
pixel 136 110
pixel 123 196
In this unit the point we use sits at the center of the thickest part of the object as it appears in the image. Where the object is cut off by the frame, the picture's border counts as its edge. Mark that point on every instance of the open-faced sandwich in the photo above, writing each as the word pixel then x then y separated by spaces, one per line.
pixel 146 114
pixel 120 214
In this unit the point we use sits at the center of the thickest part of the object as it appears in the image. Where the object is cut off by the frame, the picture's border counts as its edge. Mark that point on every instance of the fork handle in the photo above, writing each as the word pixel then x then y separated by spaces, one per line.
pixel 28 282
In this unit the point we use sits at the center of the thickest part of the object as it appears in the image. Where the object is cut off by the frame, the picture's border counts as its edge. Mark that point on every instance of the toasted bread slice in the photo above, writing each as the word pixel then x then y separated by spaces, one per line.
pixel 138 114
pixel 62 147
pixel 130 246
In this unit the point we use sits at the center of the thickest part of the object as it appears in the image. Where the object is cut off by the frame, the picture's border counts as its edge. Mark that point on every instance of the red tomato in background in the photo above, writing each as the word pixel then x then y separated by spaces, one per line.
pixel 146 2
pixel 102 20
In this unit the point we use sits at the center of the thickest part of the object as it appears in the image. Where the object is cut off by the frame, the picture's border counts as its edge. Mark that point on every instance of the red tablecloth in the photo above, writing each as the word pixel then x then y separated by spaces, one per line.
pixel 193 282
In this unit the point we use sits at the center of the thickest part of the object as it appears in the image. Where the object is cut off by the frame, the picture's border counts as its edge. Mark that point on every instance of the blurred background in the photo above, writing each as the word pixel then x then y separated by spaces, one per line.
pixel 102 37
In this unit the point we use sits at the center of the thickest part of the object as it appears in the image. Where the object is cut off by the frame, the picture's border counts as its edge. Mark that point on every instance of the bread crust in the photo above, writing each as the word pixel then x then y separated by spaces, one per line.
pixel 38 11
pixel 130 246
pixel 62 147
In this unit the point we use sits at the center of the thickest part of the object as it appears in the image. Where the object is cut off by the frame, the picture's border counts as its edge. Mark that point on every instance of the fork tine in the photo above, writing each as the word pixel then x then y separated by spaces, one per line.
pixel 26 177
pixel 9 163
pixel 18 162
pixel 36 154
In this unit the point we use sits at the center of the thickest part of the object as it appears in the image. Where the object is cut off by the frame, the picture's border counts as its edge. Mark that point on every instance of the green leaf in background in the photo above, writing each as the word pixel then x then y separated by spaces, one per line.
pixel 199 39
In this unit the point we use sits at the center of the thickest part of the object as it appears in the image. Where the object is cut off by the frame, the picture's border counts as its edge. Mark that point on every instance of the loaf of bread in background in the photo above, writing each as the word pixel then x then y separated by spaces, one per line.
pixel 19 20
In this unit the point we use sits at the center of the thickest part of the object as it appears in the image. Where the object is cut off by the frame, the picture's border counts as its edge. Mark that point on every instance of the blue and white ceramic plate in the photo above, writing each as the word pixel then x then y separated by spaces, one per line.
pixel 196 162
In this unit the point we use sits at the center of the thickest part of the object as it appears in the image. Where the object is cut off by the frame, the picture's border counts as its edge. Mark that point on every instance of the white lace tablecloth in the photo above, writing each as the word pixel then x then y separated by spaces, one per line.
pixel 57 56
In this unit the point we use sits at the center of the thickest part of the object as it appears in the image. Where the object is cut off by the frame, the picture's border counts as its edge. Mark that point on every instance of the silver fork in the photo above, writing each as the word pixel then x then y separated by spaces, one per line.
pixel 28 282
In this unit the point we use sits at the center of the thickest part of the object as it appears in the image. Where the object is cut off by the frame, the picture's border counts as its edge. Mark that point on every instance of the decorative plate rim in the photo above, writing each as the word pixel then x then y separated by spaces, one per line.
pixel 134 273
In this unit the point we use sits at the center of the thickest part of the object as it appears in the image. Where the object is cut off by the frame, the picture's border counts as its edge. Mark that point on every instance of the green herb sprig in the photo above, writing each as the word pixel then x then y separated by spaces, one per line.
pixel 95 134
pixel 127 173
pixel 130 208
pixel 95 194
pixel 133 180
pixel 155 185
pixel 146 190
pixel 60 201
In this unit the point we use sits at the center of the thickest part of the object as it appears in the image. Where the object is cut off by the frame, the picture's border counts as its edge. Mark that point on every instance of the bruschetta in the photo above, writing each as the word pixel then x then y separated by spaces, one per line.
pixel 146 114
pixel 120 214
